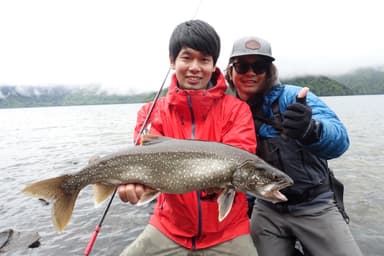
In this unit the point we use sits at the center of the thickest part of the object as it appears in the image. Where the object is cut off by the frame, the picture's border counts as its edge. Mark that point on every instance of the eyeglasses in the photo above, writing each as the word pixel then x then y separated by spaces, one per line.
pixel 257 67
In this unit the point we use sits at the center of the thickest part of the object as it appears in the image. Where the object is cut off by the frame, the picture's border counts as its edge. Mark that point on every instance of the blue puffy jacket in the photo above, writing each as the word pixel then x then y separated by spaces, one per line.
pixel 334 139
pixel 305 164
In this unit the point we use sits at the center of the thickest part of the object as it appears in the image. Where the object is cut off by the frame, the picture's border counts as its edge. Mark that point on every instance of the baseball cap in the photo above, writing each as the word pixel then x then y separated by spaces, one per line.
pixel 251 45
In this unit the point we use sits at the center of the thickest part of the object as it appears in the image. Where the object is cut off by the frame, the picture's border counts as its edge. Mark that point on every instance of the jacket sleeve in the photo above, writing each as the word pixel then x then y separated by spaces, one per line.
pixel 239 130
pixel 334 140
pixel 141 117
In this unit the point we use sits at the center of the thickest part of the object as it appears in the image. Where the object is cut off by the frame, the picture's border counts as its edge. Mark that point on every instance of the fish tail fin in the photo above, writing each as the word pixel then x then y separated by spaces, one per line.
pixel 101 191
pixel 63 201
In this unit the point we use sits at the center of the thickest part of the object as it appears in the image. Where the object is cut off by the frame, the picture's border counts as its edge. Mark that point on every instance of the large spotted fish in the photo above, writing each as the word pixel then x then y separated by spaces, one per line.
pixel 167 165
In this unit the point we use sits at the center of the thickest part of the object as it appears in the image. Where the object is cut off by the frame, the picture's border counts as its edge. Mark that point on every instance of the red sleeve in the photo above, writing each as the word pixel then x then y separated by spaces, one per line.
pixel 141 119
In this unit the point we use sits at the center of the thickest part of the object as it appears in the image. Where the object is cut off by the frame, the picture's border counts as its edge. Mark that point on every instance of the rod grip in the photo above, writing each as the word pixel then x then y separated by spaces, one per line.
pixel 87 250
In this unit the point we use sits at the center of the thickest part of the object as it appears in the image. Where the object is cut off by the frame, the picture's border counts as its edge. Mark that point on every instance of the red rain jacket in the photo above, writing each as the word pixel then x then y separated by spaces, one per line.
pixel 207 114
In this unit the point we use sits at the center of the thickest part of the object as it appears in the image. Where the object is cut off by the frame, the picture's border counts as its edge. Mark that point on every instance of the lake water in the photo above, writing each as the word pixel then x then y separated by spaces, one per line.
pixel 38 143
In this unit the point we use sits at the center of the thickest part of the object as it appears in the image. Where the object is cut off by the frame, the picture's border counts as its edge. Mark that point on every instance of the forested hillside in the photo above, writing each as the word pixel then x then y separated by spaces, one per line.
pixel 14 96
pixel 321 85
pixel 361 81
pixel 364 80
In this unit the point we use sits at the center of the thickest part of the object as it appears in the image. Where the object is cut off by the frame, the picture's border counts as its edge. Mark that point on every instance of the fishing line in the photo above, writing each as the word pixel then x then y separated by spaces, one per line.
pixel 197 10
pixel 92 240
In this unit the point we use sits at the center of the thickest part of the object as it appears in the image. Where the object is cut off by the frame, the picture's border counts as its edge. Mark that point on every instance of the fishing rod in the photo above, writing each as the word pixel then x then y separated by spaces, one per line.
pixel 92 240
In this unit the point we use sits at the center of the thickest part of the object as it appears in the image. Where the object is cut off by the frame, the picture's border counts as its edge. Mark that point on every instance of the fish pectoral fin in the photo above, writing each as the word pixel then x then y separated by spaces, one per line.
pixel 225 201
pixel 101 191
pixel 148 197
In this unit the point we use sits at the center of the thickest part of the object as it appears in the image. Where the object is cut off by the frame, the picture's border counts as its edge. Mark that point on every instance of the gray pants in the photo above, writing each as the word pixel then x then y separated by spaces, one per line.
pixel 152 242
pixel 321 232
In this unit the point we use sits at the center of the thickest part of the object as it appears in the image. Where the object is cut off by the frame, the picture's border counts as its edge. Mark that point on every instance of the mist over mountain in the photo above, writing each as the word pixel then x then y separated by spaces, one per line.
pixel 321 85
pixel 360 81
pixel 35 96
pixel 363 80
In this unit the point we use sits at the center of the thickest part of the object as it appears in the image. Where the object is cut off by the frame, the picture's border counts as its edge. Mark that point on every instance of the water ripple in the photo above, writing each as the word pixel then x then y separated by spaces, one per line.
pixel 38 143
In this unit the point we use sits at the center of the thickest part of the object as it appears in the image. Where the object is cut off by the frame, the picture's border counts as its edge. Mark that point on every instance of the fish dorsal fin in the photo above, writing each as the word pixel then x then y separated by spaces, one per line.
pixel 149 139
pixel 225 201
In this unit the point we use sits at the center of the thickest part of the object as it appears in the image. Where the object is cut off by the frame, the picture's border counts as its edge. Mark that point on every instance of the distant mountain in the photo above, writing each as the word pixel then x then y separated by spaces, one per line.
pixel 321 85
pixel 364 80
pixel 34 96
pixel 360 81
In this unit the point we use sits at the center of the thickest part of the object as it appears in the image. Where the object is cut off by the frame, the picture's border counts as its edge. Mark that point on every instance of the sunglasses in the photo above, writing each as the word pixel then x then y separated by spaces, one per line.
pixel 257 67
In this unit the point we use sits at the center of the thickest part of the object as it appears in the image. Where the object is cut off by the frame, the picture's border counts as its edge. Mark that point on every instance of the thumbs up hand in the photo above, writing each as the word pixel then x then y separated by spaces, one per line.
pixel 297 120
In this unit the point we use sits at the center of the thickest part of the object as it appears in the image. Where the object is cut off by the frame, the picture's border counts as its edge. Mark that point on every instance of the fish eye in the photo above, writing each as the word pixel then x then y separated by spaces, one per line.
pixel 275 176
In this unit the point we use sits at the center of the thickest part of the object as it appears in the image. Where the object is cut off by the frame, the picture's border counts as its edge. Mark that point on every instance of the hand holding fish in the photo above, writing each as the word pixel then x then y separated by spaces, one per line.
pixel 133 192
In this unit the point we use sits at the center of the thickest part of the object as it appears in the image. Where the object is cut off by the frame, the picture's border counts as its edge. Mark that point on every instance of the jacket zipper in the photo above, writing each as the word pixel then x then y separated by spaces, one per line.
pixel 192 117
pixel 199 221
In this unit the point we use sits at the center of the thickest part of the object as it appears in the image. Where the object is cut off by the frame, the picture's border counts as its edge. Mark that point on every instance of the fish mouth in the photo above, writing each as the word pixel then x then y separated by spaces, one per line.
pixel 283 184
pixel 274 196
pixel 272 192
pixel 280 196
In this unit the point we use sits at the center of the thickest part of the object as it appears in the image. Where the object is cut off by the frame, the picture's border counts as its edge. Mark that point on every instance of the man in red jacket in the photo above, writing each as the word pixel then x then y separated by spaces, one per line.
pixel 195 107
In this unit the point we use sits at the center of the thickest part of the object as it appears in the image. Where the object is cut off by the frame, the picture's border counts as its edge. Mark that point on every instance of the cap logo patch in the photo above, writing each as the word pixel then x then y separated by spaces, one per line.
pixel 252 45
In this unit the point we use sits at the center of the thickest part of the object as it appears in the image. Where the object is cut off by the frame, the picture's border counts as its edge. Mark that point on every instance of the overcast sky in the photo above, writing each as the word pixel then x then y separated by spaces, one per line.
pixel 123 45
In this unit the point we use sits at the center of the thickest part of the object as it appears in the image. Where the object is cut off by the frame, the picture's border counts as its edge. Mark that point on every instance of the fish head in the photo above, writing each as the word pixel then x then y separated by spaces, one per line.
pixel 262 180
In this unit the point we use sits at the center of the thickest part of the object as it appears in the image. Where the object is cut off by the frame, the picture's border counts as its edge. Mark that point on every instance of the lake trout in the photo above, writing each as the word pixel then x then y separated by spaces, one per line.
pixel 167 165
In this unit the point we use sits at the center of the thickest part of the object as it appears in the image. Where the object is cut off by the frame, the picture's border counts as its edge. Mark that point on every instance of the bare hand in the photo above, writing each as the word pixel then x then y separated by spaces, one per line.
pixel 132 192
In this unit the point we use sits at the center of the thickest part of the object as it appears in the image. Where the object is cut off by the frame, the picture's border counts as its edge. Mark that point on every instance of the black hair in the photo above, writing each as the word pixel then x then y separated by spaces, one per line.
pixel 195 34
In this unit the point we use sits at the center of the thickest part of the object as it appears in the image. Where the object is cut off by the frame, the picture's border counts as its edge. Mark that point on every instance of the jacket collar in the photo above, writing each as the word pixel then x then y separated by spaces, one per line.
pixel 176 96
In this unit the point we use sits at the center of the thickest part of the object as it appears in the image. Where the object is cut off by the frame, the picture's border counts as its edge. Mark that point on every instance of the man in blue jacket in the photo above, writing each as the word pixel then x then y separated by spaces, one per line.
pixel 296 133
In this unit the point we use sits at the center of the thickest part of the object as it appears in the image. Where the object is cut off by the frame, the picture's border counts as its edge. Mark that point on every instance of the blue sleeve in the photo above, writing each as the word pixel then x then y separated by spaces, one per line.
pixel 334 140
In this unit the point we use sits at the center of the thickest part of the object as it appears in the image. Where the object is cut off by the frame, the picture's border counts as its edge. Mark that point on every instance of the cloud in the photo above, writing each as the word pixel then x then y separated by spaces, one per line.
pixel 123 45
